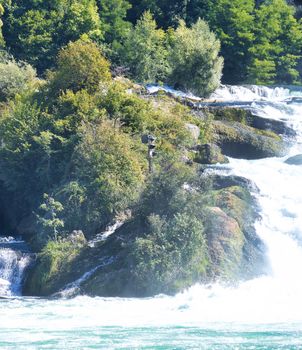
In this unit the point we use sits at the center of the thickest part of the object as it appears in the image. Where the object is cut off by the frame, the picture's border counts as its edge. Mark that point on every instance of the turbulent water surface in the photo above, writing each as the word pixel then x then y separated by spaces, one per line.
pixel 264 313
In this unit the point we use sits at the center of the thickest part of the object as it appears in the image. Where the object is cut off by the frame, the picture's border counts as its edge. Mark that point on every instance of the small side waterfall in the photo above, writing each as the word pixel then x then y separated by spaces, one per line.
pixel 14 259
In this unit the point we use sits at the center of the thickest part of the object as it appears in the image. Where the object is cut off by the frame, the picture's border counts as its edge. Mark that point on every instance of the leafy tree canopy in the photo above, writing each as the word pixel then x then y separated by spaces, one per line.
pixel 35 30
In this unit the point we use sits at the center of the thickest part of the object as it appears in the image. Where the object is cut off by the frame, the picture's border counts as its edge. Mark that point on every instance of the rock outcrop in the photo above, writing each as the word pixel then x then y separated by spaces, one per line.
pixel 295 160
pixel 241 141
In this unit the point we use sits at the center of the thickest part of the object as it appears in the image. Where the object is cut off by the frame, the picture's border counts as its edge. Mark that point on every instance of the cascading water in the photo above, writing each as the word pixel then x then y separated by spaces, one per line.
pixel 14 259
pixel 263 313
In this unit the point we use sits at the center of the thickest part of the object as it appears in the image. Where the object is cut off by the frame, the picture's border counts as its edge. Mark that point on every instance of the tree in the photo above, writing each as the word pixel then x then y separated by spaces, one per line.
pixel 233 23
pixel 194 59
pixel 277 48
pixel 15 77
pixel 144 51
pixel 35 30
pixel 166 13
pixel 171 255
pixel 50 221
pixel 80 66
pixel 113 23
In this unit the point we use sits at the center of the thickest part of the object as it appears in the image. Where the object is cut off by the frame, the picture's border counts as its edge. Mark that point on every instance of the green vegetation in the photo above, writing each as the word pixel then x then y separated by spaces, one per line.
pixel 276 51
pixel 76 137
pixel 35 30
pixel 71 123
pixel 194 58
pixel 54 260
pixel 260 40
pixel 15 77
pixel 144 51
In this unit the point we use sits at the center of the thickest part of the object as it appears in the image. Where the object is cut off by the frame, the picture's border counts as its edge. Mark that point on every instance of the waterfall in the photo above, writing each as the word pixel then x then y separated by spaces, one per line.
pixel 14 259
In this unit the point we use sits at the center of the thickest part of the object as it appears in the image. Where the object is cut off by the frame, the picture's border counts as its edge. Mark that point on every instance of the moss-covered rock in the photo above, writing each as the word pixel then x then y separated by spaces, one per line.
pixel 225 244
pixel 238 204
pixel 241 141
pixel 209 154
pixel 53 267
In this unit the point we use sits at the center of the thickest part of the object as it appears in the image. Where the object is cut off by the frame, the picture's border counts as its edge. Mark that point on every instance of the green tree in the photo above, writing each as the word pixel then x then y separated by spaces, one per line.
pixel 277 49
pixel 170 250
pixel 80 66
pixel 112 172
pixel 113 23
pixel 233 23
pixel 167 13
pixel 194 59
pixel 170 256
pixel 35 30
pixel 144 51
pixel 15 77
pixel 50 221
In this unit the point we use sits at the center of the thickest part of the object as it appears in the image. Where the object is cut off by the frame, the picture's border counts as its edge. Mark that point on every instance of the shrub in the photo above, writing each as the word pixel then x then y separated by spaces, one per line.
pixel 15 77
pixel 111 171
pixel 194 59
pixel 80 66
pixel 171 256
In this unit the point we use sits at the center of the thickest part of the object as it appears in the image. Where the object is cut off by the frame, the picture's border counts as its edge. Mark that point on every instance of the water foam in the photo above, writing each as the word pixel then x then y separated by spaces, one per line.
pixel 13 262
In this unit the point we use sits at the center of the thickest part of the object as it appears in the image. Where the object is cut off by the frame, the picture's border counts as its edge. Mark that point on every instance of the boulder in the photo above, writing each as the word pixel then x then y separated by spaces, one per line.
pixel 277 126
pixel 225 243
pixel 220 181
pixel 244 116
pixel 77 238
pixel 209 154
pixel 237 203
pixel 194 131
pixel 295 160
pixel 241 141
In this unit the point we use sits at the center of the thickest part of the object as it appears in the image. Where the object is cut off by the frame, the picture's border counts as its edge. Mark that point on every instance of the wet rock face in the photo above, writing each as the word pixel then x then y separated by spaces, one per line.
pixel 240 141
pixel 225 242
pixel 277 126
pixel 295 160
pixel 236 250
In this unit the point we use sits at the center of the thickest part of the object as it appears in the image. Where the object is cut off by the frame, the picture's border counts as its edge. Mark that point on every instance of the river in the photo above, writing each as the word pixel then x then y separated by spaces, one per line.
pixel 264 313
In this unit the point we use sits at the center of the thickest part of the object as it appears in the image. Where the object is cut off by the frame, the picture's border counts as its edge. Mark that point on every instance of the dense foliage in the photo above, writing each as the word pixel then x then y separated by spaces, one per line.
pixel 75 138
pixel 260 40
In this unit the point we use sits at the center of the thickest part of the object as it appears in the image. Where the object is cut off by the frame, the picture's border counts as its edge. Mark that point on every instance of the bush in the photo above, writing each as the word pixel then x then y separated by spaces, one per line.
pixel 80 66
pixel 171 256
pixel 15 77
pixel 110 171
pixel 194 59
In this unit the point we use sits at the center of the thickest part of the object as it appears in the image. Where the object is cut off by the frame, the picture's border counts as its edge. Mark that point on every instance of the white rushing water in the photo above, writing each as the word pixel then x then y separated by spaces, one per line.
pixel 13 262
pixel 271 303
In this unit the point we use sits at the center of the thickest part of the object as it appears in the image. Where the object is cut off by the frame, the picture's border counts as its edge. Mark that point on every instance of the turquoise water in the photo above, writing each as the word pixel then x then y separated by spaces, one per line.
pixel 80 324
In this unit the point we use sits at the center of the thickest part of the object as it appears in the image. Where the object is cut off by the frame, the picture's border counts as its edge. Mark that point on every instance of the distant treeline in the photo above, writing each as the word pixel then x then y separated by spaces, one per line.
pixel 260 40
